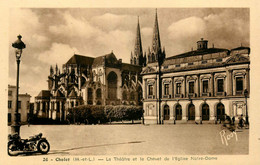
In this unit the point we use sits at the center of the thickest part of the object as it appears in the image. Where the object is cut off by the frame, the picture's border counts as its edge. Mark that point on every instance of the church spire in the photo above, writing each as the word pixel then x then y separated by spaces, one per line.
pixel 156 54
pixel 137 58
pixel 156 43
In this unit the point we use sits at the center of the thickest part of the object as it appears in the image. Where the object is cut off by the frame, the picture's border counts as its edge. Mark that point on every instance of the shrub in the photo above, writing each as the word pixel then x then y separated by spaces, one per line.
pixel 92 114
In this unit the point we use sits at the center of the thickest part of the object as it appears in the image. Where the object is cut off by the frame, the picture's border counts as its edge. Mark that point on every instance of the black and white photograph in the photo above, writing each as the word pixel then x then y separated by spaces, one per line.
pixel 130 85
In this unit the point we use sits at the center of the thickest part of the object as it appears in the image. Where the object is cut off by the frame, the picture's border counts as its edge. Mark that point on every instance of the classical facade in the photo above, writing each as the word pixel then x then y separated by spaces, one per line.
pixel 197 86
pixel 201 85
pixel 104 80
pixel 23 105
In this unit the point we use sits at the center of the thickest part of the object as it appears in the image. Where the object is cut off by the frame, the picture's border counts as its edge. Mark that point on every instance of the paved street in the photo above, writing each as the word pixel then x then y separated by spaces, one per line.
pixel 140 139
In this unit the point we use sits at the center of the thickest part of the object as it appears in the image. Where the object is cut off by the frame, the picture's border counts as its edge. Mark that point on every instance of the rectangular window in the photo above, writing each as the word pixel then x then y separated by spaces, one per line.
pixel 191 87
pixel 166 89
pixel 165 67
pixel 178 65
pixel 205 84
pixel 28 105
pixel 220 85
pixel 150 90
pixel 204 61
pixel 239 84
pixel 9 104
pixel 9 117
pixel 19 104
pixel 178 88
pixel 191 63
pixel 219 60
pixel 10 93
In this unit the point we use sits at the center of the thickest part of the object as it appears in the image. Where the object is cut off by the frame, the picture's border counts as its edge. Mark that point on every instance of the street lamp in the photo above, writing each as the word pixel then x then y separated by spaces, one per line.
pixel 19 46
pixel 246 95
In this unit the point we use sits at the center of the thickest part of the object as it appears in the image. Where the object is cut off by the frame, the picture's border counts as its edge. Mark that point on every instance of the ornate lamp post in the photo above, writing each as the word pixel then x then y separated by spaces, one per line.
pixel 19 46
pixel 246 95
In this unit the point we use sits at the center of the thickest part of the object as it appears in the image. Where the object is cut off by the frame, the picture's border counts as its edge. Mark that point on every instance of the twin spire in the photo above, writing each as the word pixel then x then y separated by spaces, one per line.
pixel 154 55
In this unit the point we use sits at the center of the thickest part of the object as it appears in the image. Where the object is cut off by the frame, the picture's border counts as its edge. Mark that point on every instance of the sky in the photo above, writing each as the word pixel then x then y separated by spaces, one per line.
pixel 53 35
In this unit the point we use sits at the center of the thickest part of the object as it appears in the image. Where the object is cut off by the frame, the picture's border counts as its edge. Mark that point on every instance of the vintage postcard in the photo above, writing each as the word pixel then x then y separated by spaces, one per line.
pixel 135 83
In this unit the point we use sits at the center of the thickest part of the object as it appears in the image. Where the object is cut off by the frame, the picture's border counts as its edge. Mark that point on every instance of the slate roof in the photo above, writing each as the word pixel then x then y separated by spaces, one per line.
pixel 80 60
pixel 44 94
pixel 131 67
pixel 198 52
pixel 73 94
pixel 241 48
pixel 58 94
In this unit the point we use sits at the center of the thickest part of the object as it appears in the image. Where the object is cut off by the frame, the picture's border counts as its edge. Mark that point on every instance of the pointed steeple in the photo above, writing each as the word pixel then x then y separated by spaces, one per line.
pixel 138 50
pixel 138 41
pixel 56 69
pixel 156 43
pixel 51 71
pixel 156 54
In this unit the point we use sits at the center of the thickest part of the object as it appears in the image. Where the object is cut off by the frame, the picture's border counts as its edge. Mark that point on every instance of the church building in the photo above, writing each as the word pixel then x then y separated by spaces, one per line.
pixel 83 80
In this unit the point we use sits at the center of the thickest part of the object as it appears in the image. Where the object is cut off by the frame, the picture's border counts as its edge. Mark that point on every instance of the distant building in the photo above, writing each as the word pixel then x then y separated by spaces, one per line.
pixel 23 105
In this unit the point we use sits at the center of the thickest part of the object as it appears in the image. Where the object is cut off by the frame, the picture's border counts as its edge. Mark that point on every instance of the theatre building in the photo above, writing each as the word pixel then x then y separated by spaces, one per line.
pixel 199 85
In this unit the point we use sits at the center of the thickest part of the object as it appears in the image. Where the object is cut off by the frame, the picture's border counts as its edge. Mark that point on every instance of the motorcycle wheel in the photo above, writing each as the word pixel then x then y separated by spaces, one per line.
pixel 43 146
pixel 12 150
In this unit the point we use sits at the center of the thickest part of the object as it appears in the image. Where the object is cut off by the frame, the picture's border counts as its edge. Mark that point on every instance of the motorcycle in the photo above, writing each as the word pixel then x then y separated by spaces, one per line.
pixel 34 144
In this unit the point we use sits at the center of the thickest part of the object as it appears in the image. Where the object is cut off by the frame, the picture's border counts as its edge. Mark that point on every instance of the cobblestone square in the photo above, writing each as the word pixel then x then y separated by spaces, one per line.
pixel 137 139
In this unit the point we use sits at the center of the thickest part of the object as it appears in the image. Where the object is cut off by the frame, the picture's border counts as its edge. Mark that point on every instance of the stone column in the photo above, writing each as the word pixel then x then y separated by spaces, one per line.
pixel 184 94
pixel 50 110
pixel 40 111
pixel 46 109
pixel 35 107
pixel 229 83
pixel 184 111
pixel 60 102
pixel 212 84
pixel 54 112
pixel 198 85
pixel 247 82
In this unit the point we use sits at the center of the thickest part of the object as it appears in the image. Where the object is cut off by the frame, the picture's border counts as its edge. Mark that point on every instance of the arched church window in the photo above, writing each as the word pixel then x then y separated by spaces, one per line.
pixel 132 96
pixel 124 95
pixel 98 93
pixel 90 93
pixel 133 78
pixel 112 85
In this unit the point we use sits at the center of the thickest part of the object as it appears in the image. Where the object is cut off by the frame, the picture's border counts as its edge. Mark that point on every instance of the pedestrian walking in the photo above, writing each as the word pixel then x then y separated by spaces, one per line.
pixel 233 120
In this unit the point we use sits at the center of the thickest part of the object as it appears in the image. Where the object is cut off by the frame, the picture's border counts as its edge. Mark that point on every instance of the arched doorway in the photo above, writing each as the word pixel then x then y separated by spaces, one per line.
pixel 205 112
pixel 112 85
pixel 178 112
pixel 220 112
pixel 191 112
pixel 166 112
